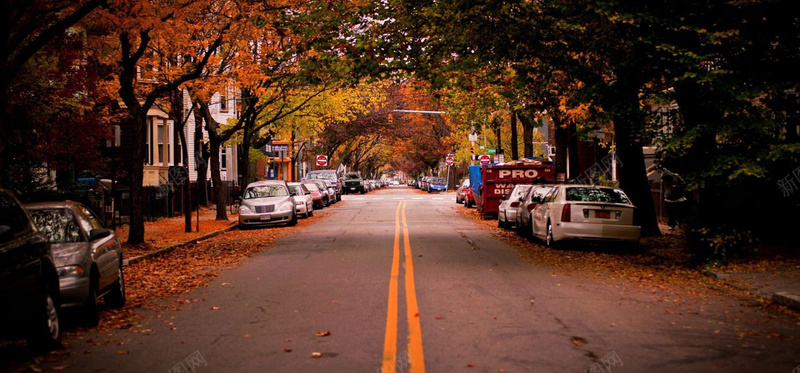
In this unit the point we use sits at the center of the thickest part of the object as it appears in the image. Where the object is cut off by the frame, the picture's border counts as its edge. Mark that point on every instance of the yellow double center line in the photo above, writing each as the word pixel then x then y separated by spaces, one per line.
pixel 414 358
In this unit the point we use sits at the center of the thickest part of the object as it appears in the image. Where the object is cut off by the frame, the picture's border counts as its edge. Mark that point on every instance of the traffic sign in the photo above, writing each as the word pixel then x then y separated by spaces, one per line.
pixel 322 160
pixel 491 151
pixel 485 159
pixel 449 160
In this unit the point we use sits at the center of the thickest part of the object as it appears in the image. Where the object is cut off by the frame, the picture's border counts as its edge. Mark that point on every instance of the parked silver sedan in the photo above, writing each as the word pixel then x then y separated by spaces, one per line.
pixel 303 198
pixel 507 211
pixel 87 255
pixel 266 203
pixel 585 212
pixel 534 197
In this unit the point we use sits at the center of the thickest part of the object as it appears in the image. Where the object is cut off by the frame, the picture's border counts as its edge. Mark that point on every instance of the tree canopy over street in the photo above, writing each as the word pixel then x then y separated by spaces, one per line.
pixel 713 85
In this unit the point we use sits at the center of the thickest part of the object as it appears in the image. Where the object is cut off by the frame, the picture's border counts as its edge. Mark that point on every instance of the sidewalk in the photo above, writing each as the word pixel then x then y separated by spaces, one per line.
pixel 781 286
pixel 164 235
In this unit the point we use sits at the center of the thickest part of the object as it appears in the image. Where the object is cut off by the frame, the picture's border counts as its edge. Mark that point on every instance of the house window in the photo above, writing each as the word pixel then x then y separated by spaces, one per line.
pixel 148 150
pixel 161 152
pixel 223 159
pixel 223 102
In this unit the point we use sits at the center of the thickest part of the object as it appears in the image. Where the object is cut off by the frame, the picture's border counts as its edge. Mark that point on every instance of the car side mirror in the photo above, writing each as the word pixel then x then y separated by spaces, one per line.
pixel 98 233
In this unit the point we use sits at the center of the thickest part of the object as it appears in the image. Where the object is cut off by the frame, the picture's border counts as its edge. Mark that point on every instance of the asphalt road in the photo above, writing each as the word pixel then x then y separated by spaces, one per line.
pixel 462 301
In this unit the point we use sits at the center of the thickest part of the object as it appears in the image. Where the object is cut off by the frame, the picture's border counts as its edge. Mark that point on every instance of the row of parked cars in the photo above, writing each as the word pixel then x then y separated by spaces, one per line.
pixel 562 212
pixel 272 202
pixel 430 184
pixel 54 256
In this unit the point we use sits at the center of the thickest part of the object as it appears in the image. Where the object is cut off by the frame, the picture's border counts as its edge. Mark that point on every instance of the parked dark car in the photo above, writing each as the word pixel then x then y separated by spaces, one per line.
pixel 88 256
pixel 29 291
pixel 353 183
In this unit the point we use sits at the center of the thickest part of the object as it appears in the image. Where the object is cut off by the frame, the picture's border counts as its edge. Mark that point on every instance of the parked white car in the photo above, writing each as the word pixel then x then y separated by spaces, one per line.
pixel 303 199
pixel 534 197
pixel 585 212
pixel 507 211
pixel 267 203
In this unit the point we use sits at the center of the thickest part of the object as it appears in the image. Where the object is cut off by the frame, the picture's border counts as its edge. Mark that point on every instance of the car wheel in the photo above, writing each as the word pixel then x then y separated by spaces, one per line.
pixel 116 298
pixel 293 221
pixel 46 333
pixel 89 313
pixel 500 221
pixel 528 231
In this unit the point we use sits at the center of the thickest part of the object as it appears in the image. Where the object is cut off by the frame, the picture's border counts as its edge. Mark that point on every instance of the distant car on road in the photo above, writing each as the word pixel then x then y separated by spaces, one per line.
pixel 353 183
pixel 266 203
pixel 507 210
pixel 29 289
pixel 437 184
pixel 585 212
pixel 88 256
pixel 465 195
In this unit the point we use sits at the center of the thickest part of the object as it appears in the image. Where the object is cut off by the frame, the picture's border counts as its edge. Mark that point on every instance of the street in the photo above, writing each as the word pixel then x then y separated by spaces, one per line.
pixel 402 281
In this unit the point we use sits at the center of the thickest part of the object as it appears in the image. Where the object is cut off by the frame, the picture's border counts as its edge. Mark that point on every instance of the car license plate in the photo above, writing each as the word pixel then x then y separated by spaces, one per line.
pixel 602 214
pixel 265 217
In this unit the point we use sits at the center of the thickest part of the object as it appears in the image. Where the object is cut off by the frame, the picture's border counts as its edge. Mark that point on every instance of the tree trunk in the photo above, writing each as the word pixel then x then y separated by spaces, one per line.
pixel 220 189
pixel 562 144
pixel 200 159
pixel 514 140
pixel 527 134
pixel 628 125
pixel 136 230
pixel 498 135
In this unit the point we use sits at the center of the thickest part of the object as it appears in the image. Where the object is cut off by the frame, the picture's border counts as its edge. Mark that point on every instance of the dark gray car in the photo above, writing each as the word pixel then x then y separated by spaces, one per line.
pixel 88 256
pixel 29 292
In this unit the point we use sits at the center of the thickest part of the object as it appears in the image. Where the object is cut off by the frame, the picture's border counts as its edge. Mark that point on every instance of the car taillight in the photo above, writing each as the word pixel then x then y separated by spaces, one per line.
pixel 566 213
pixel 531 207
pixel 514 204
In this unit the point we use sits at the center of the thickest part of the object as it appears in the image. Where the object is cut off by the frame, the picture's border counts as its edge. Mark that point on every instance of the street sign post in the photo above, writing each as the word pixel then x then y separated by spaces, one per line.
pixel 322 160
pixel 485 159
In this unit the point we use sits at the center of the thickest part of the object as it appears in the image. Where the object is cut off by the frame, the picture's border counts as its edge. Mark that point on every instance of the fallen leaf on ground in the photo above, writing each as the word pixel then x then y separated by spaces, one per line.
pixel 323 334
pixel 316 354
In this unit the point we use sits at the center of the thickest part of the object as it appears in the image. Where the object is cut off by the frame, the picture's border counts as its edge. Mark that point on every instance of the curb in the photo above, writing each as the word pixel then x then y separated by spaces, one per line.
pixel 787 299
pixel 168 249
pixel 783 298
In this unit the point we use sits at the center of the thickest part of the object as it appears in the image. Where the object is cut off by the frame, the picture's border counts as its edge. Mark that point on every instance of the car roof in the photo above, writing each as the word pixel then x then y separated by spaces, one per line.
pixel 52 205
pixel 266 182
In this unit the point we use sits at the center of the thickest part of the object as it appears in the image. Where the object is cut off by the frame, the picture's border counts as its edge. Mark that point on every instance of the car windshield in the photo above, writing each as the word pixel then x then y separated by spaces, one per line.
pixel 263 191
pixel 312 187
pixel 521 191
pixel 596 195
pixel 322 175
pixel 352 176
pixel 437 180
pixel 296 190
pixel 58 224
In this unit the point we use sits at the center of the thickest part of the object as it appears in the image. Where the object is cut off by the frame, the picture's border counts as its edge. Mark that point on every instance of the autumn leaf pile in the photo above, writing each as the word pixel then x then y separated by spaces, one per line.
pixel 661 266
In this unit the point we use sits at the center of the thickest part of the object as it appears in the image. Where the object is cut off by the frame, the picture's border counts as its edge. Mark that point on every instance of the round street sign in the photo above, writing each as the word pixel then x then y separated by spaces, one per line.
pixel 322 160
pixel 449 160
pixel 485 159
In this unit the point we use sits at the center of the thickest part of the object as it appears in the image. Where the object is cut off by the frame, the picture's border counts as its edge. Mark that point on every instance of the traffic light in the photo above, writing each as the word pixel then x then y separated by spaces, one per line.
pixel 389 118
